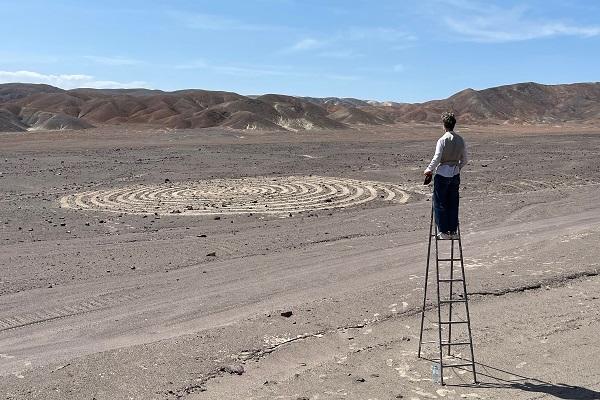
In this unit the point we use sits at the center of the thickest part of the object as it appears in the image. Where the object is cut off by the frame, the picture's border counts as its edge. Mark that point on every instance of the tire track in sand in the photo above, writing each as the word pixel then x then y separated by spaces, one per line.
pixel 67 310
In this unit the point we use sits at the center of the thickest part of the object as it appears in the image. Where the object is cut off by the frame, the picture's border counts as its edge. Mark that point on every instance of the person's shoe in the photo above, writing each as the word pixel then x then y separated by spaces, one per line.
pixel 444 236
pixel 454 235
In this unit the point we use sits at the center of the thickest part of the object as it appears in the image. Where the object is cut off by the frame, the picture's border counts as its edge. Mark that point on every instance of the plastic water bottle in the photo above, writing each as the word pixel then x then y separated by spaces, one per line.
pixel 436 373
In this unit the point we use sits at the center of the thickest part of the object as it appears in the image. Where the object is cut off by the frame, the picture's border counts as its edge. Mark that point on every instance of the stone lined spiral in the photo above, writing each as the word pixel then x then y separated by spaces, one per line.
pixel 237 196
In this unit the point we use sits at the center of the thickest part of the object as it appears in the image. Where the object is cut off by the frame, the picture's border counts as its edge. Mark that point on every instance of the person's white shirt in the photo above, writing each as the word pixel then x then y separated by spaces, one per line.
pixel 445 170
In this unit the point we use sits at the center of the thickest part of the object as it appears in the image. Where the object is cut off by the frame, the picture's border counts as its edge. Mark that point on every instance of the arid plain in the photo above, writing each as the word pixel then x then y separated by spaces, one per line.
pixel 113 299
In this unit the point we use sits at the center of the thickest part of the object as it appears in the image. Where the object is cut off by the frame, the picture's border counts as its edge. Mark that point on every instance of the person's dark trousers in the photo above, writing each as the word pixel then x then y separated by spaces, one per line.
pixel 445 202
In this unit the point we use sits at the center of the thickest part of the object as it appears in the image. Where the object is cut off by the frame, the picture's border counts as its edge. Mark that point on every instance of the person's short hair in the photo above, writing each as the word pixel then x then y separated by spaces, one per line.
pixel 449 120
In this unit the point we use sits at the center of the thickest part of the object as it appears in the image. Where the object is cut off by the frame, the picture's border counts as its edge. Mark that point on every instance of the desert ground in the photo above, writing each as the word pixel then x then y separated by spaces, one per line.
pixel 301 276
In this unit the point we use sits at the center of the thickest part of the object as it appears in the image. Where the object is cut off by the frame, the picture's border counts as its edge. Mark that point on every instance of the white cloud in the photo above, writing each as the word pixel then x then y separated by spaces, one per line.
pixel 251 71
pixel 236 70
pixel 196 64
pixel 113 61
pixel 378 33
pixel 66 81
pixel 115 85
pixel 23 58
pixel 495 24
pixel 212 22
pixel 339 45
pixel 306 44
pixel 340 54
pixel 248 71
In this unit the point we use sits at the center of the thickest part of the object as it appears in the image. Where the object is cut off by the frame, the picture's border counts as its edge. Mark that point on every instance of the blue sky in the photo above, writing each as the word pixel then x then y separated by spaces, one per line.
pixel 407 51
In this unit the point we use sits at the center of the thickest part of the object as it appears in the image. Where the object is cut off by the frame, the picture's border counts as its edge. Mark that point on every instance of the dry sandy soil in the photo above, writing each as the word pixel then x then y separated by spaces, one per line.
pixel 133 294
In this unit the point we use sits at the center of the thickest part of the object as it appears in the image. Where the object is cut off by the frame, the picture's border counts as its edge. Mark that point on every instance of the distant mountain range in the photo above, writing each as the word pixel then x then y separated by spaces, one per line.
pixel 42 107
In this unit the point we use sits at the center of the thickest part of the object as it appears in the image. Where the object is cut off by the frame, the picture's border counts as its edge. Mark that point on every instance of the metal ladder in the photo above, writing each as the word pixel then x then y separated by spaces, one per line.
pixel 449 302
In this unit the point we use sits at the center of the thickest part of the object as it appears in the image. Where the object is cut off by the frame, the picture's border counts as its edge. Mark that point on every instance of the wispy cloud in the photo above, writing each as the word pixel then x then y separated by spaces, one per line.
pixel 381 34
pixel 307 44
pixel 342 54
pixel 113 61
pixel 340 45
pixel 66 81
pixel 213 22
pixel 24 58
pixel 494 24
pixel 327 49
pixel 195 64
pixel 252 71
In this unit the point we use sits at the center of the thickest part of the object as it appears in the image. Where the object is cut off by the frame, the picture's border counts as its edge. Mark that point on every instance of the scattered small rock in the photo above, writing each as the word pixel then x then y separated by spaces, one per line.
pixel 237 369
pixel 484 165
pixel 201 235
pixel 212 254
pixel 286 314
pixel 359 379
pixel 217 218
pixel 61 367
pixel 167 180
pixel 133 267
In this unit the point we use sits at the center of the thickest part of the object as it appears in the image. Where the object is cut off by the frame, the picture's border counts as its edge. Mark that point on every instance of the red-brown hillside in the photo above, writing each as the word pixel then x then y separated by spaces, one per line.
pixel 25 105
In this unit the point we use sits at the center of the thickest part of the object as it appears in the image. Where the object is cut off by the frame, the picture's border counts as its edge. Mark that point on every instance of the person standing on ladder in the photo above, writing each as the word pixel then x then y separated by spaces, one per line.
pixel 449 158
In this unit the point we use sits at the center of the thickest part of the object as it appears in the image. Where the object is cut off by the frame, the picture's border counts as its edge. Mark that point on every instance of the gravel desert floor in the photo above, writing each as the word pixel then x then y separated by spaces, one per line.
pixel 219 264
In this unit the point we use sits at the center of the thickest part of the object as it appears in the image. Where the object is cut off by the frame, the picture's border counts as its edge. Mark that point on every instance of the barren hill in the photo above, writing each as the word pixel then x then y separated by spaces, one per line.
pixel 13 91
pixel 29 106
pixel 519 103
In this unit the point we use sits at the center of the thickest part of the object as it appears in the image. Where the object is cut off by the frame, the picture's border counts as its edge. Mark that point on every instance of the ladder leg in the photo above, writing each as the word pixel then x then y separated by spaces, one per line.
pixel 451 290
pixel 426 279
pixel 437 273
pixel 462 266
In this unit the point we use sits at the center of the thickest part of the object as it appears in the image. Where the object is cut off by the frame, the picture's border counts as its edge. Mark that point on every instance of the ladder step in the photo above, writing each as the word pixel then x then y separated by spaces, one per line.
pixel 448 259
pixel 453 322
pixel 455 343
pixel 451 280
pixel 446 343
pixel 453 301
pixel 457 365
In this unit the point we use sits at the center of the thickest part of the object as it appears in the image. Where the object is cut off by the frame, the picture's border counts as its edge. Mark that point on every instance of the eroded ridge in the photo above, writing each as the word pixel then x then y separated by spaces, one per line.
pixel 269 195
